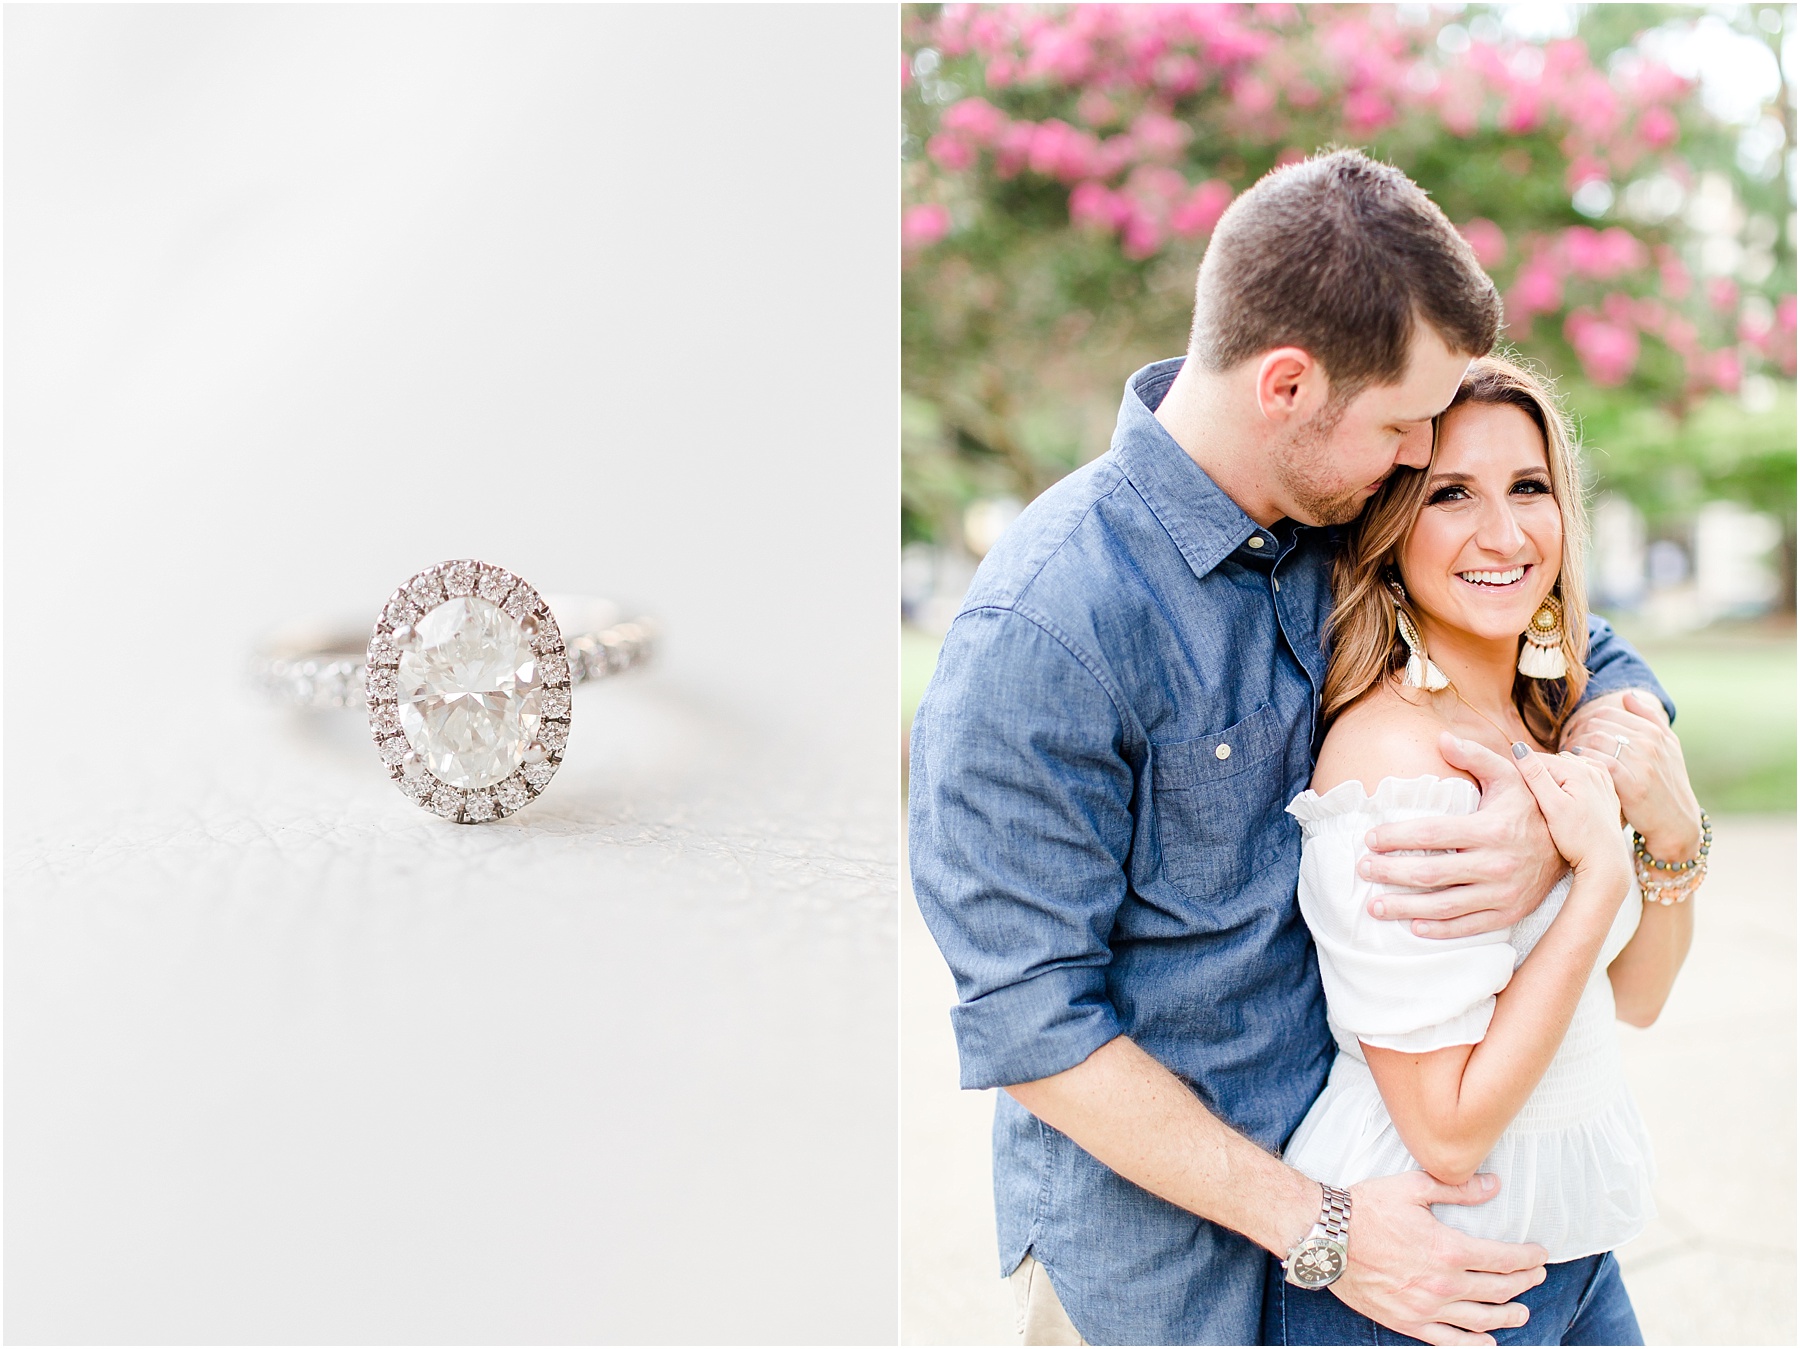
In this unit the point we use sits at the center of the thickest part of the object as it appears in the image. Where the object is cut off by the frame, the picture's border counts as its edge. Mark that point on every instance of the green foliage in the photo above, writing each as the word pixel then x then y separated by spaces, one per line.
pixel 1667 464
pixel 1023 313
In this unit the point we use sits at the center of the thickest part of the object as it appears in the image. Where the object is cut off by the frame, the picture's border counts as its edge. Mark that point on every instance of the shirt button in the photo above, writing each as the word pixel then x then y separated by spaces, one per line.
pixel 1256 540
pixel 1222 752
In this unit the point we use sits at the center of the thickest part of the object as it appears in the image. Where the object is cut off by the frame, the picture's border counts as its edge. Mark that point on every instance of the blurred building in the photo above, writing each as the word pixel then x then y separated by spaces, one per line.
pixel 1721 563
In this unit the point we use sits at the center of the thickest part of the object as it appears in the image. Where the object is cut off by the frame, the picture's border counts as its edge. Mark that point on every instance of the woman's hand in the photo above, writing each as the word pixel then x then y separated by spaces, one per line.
pixel 1648 771
pixel 1581 807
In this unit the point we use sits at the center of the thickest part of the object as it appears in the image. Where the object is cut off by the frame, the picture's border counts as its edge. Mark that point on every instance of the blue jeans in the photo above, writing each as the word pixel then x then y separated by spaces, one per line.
pixel 1579 1302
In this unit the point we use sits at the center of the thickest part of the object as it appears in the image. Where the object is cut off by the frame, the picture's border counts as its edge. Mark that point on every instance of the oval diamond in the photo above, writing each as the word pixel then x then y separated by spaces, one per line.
pixel 470 691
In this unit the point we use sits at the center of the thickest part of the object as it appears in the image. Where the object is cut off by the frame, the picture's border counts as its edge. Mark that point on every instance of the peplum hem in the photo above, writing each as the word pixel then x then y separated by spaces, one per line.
pixel 1577 1189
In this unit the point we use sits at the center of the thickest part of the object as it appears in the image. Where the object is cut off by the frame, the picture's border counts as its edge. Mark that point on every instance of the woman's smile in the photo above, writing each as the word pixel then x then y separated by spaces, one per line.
pixel 1489 522
pixel 1494 580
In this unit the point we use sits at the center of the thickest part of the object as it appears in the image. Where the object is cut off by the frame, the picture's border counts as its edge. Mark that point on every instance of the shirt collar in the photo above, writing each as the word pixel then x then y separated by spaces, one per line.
pixel 1206 525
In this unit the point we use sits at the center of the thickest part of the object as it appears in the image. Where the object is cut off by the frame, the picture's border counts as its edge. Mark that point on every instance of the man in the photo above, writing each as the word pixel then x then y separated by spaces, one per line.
pixel 1123 708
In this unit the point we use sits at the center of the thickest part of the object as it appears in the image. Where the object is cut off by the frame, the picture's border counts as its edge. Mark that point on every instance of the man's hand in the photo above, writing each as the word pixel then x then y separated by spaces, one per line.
pixel 1503 865
pixel 1414 1275
pixel 1648 771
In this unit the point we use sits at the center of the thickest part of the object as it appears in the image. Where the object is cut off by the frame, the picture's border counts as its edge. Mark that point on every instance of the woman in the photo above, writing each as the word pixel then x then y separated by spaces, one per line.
pixel 1491 1053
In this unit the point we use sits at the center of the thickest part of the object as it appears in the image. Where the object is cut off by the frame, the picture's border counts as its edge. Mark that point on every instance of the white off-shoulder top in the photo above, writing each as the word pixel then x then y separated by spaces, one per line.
pixel 1575 1164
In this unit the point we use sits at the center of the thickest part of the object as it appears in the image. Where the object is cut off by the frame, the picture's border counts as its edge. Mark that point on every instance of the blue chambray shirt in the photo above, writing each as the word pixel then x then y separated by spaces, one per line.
pixel 1122 710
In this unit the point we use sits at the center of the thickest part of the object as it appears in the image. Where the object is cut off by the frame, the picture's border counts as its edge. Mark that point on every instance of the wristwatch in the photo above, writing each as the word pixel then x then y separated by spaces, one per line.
pixel 1324 1252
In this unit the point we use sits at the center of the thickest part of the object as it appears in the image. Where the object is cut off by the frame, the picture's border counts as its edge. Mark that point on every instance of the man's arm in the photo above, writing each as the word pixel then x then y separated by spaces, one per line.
pixel 1020 830
pixel 1406 1270
pixel 1503 862
pixel 1614 666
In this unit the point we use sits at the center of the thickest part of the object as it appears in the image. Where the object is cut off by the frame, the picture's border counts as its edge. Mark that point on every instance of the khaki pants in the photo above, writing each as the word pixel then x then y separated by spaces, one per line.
pixel 1042 1319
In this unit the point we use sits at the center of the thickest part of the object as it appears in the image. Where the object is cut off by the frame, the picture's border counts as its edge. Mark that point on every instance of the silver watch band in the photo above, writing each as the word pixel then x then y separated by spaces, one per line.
pixel 1334 1212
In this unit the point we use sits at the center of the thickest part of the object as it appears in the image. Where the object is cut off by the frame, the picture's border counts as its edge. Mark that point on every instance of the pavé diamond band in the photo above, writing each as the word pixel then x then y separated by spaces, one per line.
pixel 466 682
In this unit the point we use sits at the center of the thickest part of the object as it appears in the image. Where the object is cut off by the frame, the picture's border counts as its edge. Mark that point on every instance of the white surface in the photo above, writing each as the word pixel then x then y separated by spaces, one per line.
pixel 299 300
pixel 1714 1077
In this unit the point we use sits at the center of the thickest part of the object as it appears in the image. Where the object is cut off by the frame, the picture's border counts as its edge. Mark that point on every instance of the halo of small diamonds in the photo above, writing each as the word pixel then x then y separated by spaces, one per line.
pixel 492 591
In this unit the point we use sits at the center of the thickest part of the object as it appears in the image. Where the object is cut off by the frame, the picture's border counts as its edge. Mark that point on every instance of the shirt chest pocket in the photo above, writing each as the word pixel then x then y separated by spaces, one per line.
pixel 1215 800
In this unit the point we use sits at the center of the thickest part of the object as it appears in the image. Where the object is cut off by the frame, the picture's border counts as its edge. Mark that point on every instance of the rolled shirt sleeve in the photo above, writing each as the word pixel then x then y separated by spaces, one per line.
pixel 1019 830
pixel 1615 666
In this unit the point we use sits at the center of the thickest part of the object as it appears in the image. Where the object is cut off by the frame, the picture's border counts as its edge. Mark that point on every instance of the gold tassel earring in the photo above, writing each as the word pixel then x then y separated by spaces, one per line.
pixel 1421 673
pixel 1541 655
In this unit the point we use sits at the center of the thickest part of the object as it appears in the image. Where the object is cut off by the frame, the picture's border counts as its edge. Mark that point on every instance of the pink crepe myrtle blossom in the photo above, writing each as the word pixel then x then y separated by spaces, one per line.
pixel 1657 127
pixel 1589 103
pixel 1177 75
pixel 1650 82
pixel 1537 289
pixel 1780 348
pixel 1676 280
pixel 1096 109
pixel 1366 112
pixel 1521 113
pixel 950 152
pixel 1159 137
pixel 1459 108
pixel 1096 206
pixel 1142 237
pixel 1755 327
pixel 1013 149
pixel 1584 168
pixel 1681 337
pixel 1726 370
pixel 1201 209
pixel 1106 101
pixel 1061 151
pixel 1252 97
pixel 1060 56
pixel 1608 351
pixel 1487 239
pixel 975 120
pixel 1602 255
pixel 924 225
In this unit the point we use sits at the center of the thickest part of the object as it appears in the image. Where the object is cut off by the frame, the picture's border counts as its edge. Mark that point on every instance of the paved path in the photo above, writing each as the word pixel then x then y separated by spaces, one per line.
pixel 1714 1076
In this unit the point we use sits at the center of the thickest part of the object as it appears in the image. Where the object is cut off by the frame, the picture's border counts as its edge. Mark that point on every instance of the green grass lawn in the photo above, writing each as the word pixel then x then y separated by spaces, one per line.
pixel 1734 699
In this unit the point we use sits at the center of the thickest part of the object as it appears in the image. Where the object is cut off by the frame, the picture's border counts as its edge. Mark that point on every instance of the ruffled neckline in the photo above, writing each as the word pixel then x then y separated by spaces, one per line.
pixel 1440 796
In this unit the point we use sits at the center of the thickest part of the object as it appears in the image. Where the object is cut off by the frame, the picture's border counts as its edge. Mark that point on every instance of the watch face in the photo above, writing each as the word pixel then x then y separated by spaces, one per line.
pixel 1316 1262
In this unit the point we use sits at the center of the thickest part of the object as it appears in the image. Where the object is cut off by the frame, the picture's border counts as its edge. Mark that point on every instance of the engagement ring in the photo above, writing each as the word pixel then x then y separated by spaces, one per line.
pixel 466 681
pixel 1621 747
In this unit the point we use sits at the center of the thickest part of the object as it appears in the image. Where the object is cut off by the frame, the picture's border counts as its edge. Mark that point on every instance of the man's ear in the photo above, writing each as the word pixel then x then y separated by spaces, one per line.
pixel 1291 386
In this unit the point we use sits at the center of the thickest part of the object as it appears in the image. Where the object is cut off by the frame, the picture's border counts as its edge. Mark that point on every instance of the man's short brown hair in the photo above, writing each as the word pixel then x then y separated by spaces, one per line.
pixel 1336 255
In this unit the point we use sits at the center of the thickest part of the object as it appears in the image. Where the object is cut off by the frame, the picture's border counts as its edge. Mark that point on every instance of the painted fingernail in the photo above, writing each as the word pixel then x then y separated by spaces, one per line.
pixel 1520 749
pixel 1573 749
pixel 1378 909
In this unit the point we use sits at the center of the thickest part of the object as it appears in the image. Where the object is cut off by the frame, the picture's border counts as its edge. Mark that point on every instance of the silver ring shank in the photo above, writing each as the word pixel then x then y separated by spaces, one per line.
pixel 316 668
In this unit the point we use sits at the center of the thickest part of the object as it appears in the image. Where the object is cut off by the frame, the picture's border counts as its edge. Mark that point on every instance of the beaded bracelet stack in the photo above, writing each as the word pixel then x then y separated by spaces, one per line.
pixel 1670 882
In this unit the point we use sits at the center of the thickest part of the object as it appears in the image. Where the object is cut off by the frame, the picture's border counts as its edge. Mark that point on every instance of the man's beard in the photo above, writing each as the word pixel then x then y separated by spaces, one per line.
pixel 1303 461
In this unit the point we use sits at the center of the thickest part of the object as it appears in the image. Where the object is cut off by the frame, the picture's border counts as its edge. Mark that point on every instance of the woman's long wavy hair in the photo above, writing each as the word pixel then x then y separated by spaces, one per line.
pixel 1363 636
